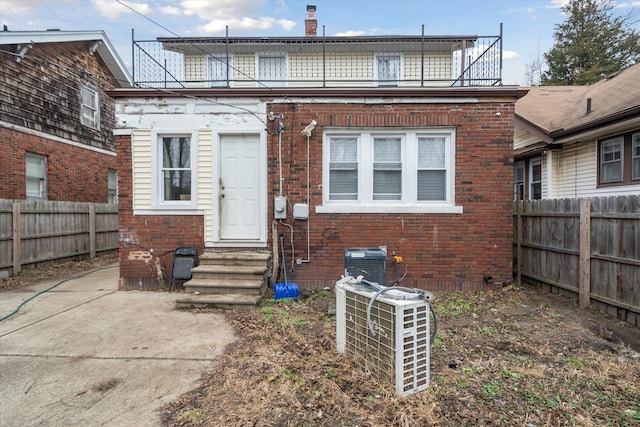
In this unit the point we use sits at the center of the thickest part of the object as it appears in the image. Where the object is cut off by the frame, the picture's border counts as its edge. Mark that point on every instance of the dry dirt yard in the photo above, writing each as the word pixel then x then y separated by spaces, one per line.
pixel 515 357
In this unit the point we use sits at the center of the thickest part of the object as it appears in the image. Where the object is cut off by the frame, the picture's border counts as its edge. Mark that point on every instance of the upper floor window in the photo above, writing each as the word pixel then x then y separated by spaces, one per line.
pixel 175 172
pixel 112 186
pixel 619 160
pixel 535 179
pixel 272 69
pixel 89 107
pixel 36 176
pixel 388 171
pixel 387 69
pixel 219 72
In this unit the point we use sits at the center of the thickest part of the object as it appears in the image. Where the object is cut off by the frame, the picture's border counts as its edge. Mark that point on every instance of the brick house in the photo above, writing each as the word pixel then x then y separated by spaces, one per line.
pixel 56 121
pixel 303 147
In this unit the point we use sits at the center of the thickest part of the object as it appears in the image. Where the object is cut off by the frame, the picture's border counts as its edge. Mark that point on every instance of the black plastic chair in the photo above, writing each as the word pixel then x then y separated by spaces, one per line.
pixel 184 259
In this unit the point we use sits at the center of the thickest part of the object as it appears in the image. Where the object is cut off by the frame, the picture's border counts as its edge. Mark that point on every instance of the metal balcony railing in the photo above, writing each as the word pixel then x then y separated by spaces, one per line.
pixel 312 62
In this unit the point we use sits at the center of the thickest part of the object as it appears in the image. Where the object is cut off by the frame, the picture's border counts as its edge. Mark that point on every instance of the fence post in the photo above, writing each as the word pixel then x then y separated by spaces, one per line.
pixel 585 253
pixel 17 262
pixel 92 230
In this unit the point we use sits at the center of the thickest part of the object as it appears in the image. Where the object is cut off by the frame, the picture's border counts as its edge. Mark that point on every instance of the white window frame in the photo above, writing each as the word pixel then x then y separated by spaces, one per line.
pixel 376 67
pixel 262 80
pixel 619 141
pixel 519 184
pixel 217 80
pixel 535 161
pixel 635 155
pixel 157 199
pixel 89 106
pixel 112 186
pixel 409 202
pixel 42 180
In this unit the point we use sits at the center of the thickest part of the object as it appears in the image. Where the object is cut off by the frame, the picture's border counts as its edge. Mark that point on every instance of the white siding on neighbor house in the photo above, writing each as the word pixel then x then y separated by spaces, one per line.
pixel 576 171
pixel 523 139
pixel 141 166
pixel 205 191
pixel 575 174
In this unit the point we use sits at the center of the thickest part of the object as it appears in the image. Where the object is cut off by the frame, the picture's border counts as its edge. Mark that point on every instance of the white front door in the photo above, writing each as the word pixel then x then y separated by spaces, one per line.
pixel 239 188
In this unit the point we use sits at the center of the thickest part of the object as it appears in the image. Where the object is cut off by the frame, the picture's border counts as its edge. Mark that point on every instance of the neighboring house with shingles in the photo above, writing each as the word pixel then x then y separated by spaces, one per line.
pixel 302 147
pixel 579 141
pixel 56 121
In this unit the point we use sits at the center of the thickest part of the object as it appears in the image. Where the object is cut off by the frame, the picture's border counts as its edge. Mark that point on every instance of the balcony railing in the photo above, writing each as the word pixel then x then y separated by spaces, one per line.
pixel 312 62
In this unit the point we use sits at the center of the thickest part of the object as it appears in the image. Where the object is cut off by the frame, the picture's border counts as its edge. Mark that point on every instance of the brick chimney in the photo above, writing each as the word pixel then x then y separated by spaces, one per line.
pixel 311 24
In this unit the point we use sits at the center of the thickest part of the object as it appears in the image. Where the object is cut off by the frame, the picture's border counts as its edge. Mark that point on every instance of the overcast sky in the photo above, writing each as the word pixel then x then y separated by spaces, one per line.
pixel 528 24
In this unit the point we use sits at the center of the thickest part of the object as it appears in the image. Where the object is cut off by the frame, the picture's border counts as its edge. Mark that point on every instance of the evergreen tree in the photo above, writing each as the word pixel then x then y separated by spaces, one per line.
pixel 591 44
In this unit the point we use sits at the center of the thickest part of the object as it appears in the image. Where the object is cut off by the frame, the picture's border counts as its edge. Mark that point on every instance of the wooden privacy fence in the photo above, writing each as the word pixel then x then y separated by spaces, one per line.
pixel 35 231
pixel 587 246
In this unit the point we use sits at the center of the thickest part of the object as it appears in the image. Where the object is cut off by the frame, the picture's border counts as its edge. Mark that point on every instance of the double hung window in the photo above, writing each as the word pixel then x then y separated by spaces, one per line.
pixel 272 69
pixel 619 160
pixel 389 171
pixel 36 176
pixel 388 69
pixel 219 71
pixel 535 178
pixel 89 107
pixel 175 173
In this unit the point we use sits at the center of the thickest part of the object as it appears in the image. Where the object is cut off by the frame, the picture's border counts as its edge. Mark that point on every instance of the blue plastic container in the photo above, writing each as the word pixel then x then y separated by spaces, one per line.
pixel 285 290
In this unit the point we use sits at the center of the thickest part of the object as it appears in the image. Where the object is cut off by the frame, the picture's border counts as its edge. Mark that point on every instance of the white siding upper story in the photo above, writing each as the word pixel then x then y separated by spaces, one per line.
pixel 342 69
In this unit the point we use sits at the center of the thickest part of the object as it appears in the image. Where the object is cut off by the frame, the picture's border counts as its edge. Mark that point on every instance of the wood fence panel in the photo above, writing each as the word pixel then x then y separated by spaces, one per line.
pixel 605 269
pixel 6 233
pixel 35 231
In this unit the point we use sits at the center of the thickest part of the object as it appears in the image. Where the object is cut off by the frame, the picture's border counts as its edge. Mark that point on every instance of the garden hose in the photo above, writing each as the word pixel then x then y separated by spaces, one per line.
pixel 50 288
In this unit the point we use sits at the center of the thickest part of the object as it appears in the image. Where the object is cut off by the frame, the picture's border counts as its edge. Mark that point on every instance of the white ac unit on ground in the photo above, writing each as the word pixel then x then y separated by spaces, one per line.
pixel 399 352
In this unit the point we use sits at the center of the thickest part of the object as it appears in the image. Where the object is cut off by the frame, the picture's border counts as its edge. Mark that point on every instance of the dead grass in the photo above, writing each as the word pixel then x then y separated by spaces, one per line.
pixel 516 357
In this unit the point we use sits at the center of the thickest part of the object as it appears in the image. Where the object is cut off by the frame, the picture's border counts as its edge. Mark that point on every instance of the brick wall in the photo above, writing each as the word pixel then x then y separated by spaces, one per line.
pixel 147 241
pixel 74 174
pixel 42 94
pixel 440 251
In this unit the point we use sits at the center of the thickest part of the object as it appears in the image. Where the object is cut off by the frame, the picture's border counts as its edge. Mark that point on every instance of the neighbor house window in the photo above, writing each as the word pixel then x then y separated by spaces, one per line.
pixel 535 179
pixel 219 71
pixel 112 186
pixel 389 171
pixel 272 69
pixel 611 158
pixel 519 180
pixel 635 150
pixel 89 107
pixel 175 173
pixel 619 160
pixel 388 69
pixel 36 176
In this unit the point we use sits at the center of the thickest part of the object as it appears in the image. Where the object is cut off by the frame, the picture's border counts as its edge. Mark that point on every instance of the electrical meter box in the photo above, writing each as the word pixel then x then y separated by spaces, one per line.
pixel 280 207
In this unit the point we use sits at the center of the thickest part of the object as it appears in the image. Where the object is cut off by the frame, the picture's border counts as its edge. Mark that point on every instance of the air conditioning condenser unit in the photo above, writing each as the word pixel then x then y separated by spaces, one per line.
pixel 398 352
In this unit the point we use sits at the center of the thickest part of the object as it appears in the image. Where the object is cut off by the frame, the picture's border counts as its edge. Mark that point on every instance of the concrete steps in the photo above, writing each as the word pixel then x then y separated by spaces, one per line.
pixel 229 280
